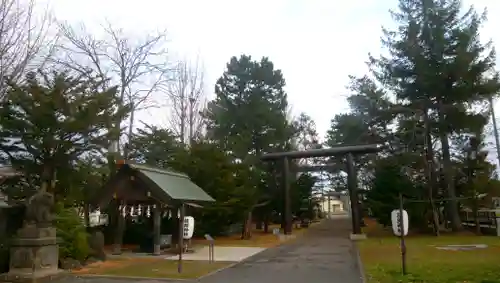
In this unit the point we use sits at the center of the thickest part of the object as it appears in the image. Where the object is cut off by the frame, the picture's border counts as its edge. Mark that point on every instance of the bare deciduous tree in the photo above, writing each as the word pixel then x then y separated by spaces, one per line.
pixel 24 44
pixel 187 99
pixel 138 66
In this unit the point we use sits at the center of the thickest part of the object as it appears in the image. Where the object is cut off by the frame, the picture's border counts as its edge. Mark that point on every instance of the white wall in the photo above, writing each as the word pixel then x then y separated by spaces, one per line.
pixel 332 206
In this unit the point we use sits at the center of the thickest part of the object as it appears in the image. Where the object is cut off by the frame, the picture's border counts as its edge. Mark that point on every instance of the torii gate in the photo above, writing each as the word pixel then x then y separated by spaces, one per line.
pixel 348 151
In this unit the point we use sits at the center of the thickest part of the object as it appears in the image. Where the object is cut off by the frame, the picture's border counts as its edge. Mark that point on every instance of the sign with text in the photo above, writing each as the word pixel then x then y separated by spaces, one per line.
pixel 396 219
pixel 188 228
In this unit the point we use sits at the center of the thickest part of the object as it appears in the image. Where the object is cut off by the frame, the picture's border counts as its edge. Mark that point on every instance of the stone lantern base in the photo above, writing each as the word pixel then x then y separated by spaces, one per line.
pixel 34 256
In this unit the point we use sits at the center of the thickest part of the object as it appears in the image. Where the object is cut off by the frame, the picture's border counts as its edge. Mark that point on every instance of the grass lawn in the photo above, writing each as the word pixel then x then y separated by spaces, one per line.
pixel 425 264
pixel 151 268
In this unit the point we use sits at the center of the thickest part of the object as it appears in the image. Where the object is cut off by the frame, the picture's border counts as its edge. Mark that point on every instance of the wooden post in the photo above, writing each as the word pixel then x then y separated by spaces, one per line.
pixel 353 194
pixel 288 204
pixel 120 229
pixel 181 237
pixel 402 237
pixel 156 229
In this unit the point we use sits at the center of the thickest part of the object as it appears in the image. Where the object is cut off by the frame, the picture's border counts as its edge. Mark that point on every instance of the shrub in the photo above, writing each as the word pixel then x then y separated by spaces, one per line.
pixel 71 231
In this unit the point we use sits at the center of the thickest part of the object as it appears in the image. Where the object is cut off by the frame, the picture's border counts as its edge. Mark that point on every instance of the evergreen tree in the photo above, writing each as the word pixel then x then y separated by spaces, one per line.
pixel 51 120
pixel 155 146
pixel 248 115
pixel 248 118
pixel 438 66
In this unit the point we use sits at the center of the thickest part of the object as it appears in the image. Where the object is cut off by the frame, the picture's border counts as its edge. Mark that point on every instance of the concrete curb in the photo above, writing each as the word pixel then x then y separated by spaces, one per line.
pixel 218 270
pixel 359 263
pixel 134 278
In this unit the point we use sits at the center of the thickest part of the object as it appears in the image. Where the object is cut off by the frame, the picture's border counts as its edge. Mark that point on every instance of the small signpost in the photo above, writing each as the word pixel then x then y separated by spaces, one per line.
pixel 180 243
pixel 400 224
pixel 211 251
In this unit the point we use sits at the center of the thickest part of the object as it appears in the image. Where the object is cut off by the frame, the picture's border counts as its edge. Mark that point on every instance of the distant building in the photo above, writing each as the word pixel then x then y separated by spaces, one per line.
pixel 331 204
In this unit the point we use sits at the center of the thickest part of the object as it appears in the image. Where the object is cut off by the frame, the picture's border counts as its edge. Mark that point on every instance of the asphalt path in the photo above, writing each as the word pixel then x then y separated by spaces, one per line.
pixel 324 254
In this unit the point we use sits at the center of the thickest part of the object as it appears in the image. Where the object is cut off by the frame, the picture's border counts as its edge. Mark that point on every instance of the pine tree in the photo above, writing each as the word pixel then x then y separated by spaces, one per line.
pixel 248 118
pixel 438 66
pixel 248 115
pixel 51 120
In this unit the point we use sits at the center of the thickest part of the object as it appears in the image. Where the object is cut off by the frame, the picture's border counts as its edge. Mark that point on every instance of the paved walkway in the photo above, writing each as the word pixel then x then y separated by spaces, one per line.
pixel 323 255
pixel 221 254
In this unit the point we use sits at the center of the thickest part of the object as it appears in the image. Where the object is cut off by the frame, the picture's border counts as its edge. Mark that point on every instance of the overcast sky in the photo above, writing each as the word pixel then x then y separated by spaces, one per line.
pixel 316 43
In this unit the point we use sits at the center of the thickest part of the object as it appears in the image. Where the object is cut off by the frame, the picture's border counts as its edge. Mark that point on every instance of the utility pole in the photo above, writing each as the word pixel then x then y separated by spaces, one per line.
pixel 495 128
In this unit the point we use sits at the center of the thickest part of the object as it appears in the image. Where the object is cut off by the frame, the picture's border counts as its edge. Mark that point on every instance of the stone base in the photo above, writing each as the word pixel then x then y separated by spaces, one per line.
pixel 34 255
pixel 357 237
pixel 33 232
pixel 36 277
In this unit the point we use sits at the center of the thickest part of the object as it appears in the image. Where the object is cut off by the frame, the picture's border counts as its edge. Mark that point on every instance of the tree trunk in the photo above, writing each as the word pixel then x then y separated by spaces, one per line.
pixel 266 223
pixel 86 215
pixel 247 227
pixel 129 134
pixel 182 122
pixel 47 179
pixel 191 120
pixel 258 216
pixel 452 203
pixel 429 168
pixel 475 208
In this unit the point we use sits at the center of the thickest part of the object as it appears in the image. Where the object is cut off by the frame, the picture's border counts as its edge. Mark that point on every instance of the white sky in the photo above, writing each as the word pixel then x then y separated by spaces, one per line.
pixel 316 43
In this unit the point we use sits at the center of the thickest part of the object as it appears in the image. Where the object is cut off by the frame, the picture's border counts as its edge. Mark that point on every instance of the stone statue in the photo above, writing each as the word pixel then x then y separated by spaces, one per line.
pixel 39 210
pixel 35 249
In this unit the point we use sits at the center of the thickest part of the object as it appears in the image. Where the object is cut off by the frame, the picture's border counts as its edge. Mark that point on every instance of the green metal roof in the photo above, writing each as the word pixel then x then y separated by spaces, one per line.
pixel 177 186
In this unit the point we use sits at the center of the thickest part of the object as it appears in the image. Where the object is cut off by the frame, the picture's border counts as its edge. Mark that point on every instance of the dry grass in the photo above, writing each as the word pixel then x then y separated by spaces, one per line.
pixel 151 268
pixel 259 239
pixel 381 258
